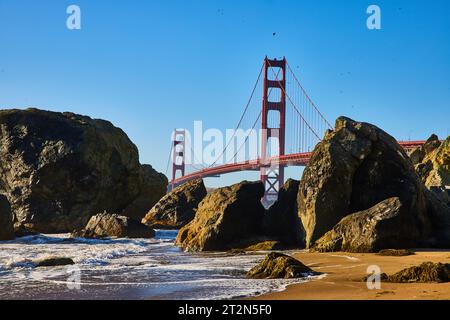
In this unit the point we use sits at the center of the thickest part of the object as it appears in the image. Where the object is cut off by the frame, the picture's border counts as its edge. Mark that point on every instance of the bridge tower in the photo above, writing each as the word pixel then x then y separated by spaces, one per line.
pixel 272 174
pixel 178 157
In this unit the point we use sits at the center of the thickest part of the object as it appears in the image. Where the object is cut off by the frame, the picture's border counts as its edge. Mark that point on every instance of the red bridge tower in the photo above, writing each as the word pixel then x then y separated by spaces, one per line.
pixel 272 174
pixel 178 158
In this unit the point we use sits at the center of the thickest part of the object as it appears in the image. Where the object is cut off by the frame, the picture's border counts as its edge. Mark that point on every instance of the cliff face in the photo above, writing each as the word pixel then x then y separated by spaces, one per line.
pixel 57 169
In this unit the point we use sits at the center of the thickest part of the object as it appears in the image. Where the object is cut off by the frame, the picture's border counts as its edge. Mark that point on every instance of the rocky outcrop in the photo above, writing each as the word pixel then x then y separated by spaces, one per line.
pixel 58 168
pixel 368 231
pixel 106 225
pixel 279 266
pixel 226 218
pixel 395 252
pixel 425 273
pixel 177 208
pixel 358 168
pixel 434 167
pixel 418 154
pixel 6 220
pixel 153 186
pixel 281 220
pixel 53 262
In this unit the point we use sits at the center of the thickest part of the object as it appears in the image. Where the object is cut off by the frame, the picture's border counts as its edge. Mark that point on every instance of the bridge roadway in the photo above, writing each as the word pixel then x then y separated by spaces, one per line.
pixel 296 159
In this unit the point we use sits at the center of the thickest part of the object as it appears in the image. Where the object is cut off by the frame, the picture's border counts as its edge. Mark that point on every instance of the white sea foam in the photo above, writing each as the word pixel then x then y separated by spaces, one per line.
pixel 125 268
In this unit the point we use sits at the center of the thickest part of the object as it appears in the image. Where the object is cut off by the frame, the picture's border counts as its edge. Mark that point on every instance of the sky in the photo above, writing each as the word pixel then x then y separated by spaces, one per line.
pixel 152 66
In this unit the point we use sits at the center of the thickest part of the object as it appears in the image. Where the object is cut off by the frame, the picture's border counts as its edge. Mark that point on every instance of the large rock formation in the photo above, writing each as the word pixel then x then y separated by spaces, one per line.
pixel 106 225
pixel 280 266
pixel 58 168
pixel 226 218
pixel 281 220
pixel 368 230
pixel 177 208
pixel 353 169
pixel 153 185
pixel 6 220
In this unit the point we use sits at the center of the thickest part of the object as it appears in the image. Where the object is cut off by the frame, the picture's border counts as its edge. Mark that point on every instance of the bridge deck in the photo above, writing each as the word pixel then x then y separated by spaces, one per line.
pixel 296 159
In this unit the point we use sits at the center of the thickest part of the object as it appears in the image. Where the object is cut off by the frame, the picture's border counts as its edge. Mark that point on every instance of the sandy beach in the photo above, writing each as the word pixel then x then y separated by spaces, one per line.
pixel 345 271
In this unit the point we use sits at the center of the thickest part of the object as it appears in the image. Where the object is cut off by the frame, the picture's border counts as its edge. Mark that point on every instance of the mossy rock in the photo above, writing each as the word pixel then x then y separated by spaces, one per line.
pixel 279 266
pixel 395 252
pixel 266 246
pixel 426 272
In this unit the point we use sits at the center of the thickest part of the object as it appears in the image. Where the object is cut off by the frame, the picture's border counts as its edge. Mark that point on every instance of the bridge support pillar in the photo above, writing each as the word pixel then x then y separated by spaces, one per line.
pixel 273 134
pixel 178 156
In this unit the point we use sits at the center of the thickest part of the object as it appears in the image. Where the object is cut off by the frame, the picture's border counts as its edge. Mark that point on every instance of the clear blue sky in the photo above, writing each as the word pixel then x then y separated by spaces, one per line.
pixel 150 66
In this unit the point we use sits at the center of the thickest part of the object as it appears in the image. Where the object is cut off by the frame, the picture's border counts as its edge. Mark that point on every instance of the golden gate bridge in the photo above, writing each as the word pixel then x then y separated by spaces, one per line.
pixel 290 127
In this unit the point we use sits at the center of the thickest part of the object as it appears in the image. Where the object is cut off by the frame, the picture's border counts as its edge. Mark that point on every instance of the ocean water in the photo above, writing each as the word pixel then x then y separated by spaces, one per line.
pixel 126 269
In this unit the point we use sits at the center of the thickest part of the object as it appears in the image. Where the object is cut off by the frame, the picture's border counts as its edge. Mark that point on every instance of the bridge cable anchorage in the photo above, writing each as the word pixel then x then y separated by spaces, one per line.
pixel 290 100
pixel 307 96
pixel 242 116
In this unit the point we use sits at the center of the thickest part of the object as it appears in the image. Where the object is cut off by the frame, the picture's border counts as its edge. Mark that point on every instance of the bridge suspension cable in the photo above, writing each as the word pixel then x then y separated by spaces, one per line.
pixel 242 117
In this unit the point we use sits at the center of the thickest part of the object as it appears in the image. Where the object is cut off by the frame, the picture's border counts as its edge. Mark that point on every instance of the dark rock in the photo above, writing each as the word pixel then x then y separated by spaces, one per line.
pixel 177 208
pixel 281 220
pixel 395 252
pixel 53 262
pixel 225 217
pixel 57 168
pixel 356 167
pixel 279 266
pixel 105 225
pixel 368 231
pixel 267 245
pixel 153 187
pixel 439 214
pixel 426 272
pixel 6 220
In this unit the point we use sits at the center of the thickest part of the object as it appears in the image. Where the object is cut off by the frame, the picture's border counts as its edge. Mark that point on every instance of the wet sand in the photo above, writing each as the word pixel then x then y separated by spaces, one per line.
pixel 345 271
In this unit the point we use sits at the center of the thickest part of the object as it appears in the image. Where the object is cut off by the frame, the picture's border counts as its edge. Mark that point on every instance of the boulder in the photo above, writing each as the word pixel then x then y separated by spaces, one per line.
pixel 107 225
pixel 57 168
pixel 382 226
pixel 426 272
pixel 177 208
pixel 267 245
pixel 281 220
pixel 395 252
pixel 6 220
pixel 153 187
pixel 53 262
pixel 354 169
pixel 279 266
pixel 226 218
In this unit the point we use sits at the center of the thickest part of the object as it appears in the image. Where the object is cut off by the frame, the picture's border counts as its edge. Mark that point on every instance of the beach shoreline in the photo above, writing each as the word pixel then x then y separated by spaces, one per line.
pixel 345 271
